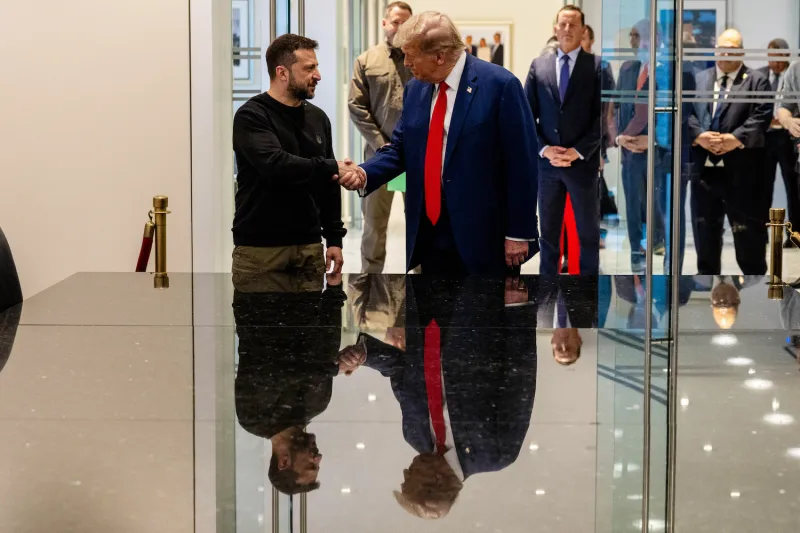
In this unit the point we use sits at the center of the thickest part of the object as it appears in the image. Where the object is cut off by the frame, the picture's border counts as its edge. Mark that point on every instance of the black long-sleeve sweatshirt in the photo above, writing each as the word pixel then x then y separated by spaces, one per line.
pixel 286 196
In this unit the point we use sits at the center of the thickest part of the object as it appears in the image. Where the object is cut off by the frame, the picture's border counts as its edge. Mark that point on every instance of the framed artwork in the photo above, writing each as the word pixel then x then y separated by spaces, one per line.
pixel 703 21
pixel 240 21
pixel 487 40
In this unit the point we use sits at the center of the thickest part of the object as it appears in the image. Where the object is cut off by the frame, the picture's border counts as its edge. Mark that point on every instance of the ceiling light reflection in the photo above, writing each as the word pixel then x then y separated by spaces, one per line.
pixel 758 384
pixel 740 361
pixel 345 490
pixel 794 453
pixel 778 419
pixel 540 492
pixel 724 340
pixel 371 397
pixel 684 402
pixel 735 495
pixel 708 448
pixel 533 447
pixel 361 445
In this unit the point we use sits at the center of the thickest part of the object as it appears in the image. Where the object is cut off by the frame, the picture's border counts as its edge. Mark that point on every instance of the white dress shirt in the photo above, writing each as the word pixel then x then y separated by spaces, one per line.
pixel 452 81
pixel 451 454
pixel 721 92
pixel 573 58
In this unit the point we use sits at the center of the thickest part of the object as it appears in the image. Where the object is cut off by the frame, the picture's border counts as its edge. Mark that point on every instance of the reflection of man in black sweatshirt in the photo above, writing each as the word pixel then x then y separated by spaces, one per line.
pixel 286 199
pixel 289 333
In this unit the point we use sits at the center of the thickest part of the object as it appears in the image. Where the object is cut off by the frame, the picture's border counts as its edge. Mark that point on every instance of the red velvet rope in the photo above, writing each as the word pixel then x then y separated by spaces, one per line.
pixel 144 254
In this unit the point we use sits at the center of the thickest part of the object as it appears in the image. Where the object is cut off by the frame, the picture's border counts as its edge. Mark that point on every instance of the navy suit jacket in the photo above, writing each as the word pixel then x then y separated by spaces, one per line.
pixel 747 121
pixel 574 123
pixel 489 369
pixel 490 180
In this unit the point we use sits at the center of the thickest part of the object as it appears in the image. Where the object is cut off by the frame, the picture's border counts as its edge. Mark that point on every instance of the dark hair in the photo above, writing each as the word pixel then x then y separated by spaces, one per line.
pixel 778 44
pixel 591 32
pixel 281 53
pixel 286 480
pixel 398 5
pixel 572 7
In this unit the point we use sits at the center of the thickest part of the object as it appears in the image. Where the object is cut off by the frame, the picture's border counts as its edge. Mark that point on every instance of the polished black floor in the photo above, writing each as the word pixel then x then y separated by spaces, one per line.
pixel 395 403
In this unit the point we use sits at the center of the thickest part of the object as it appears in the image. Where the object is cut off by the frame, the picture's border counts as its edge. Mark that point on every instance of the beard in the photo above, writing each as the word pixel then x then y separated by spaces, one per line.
pixel 302 442
pixel 301 92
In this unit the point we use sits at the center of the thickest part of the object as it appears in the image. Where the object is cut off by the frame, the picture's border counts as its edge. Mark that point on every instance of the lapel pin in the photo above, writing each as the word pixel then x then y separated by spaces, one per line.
pixel 744 76
pixel 469 89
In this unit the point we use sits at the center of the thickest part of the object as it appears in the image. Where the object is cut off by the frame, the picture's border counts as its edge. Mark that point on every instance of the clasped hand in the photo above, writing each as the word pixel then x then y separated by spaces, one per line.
pixel 560 156
pixel 351 176
pixel 718 143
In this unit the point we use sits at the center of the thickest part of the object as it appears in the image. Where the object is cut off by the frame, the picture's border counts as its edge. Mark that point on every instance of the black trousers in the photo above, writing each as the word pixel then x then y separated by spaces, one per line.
pixel 780 152
pixel 729 191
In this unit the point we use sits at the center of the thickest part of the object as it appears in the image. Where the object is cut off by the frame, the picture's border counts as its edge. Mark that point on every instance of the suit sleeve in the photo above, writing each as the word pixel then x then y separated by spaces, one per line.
pixel 255 139
pixel 359 105
pixel 521 149
pixel 789 85
pixel 330 204
pixel 590 143
pixel 693 123
pixel 751 133
pixel 390 161
pixel 533 102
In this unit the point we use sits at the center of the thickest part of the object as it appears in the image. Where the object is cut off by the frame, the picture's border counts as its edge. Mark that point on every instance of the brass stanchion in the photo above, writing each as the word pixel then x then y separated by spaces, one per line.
pixel 777 225
pixel 160 212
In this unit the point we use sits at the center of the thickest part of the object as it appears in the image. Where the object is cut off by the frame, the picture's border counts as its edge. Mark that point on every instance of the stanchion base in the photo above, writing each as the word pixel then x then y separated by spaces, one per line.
pixel 775 291
pixel 161 281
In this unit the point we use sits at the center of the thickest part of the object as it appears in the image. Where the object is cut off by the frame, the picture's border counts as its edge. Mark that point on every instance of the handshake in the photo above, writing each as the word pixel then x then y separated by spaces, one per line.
pixel 351 176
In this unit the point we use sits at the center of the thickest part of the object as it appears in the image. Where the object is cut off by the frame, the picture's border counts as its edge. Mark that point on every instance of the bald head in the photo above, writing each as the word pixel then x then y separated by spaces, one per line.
pixel 730 39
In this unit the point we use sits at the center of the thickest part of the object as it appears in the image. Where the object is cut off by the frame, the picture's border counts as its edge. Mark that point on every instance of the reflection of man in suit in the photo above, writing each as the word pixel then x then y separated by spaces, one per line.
pixel 729 138
pixel 498 51
pixel 465 384
pixel 564 94
pixel 469 47
pixel 9 321
pixel 465 141
pixel 289 335
pixel 567 304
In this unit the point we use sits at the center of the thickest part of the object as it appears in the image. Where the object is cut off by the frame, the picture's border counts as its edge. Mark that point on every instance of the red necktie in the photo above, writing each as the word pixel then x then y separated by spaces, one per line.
pixel 642 78
pixel 433 157
pixel 433 382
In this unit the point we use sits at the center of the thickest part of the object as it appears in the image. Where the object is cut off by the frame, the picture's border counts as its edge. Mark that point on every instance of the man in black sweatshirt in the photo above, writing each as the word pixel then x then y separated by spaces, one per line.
pixel 286 200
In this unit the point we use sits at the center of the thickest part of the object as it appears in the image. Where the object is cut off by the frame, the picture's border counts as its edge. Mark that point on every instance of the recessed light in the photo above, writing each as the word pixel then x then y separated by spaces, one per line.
pixel 635 497
pixel 739 361
pixel 684 402
pixel 345 490
pixel 540 492
pixel 735 495
pixel 371 397
pixel 758 384
pixel 776 404
pixel 533 447
pixel 361 445
pixel 794 453
pixel 751 371
pixel 708 448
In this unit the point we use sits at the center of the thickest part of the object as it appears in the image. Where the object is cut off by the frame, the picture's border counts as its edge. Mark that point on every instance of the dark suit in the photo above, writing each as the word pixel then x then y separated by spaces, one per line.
pixel 564 301
pixel 288 348
pixel 472 49
pixel 781 152
pixel 10 290
pixel 488 365
pixel 490 174
pixel 498 55
pixel 737 189
pixel 574 123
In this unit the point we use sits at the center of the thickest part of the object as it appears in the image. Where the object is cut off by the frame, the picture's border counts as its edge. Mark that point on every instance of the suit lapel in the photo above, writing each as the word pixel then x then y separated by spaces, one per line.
pixel 424 107
pixel 467 88
pixel 738 83
pixel 575 78
pixel 552 80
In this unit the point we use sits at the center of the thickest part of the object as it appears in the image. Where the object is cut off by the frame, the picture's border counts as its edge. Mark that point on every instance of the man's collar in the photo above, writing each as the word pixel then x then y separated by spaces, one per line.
pixel 454 78
pixel 733 75
pixel 572 55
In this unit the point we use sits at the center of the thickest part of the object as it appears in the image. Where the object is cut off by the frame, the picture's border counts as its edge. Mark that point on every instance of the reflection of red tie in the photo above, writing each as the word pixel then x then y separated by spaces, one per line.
pixel 433 157
pixel 642 78
pixel 433 382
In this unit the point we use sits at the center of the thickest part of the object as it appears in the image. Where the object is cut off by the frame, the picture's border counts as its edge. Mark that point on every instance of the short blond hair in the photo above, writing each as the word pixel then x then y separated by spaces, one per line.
pixel 433 31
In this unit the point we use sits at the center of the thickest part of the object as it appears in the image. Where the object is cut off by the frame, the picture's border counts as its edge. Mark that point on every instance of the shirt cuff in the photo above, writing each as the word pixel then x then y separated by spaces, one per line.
pixel 520 240
pixel 579 154
pixel 362 192
pixel 541 152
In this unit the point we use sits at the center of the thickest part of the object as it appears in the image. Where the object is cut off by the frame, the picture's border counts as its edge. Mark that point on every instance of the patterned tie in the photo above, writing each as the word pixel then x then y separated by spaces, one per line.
pixel 433 383
pixel 433 157
pixel 564 79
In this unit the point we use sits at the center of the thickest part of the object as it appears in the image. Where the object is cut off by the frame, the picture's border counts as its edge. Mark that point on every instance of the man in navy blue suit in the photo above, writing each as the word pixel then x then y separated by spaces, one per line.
pixel 467 143
pixel 564 94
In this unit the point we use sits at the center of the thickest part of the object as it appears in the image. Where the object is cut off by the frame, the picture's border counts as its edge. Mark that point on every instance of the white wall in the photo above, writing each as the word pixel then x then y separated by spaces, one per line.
pixel 760 22
pixel 94 121
pixel 533 22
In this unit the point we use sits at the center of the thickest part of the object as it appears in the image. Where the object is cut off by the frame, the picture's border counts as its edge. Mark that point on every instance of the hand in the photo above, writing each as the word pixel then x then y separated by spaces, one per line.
pixel 516 292
pixel 396 337
pixel 350 358
pixel 793 125
pixel 551 153
pixel 334 260
pixel 638 144
pixel 350 176
pixel 334 280
pixel 566 158
pixel 710 140
pixel 516 252
pixel 729 143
